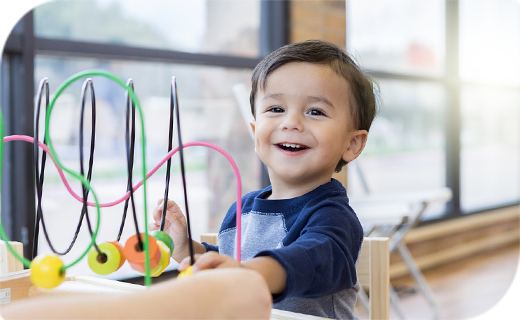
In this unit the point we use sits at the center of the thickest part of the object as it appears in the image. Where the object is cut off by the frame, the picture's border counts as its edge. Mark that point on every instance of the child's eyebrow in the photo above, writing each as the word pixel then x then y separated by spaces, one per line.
pixel 320 99
pixel 278 96
pixel 272 96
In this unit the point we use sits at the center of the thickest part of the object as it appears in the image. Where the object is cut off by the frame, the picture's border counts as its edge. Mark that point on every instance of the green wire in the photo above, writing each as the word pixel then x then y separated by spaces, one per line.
pixel 78 176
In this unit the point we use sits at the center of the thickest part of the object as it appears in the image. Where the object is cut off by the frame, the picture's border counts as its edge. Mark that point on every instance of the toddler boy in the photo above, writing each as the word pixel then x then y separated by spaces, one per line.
pixel 312 109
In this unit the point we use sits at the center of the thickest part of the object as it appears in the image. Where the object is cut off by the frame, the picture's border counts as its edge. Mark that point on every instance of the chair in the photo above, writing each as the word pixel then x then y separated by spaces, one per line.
pixel 392 216
pixel 373 273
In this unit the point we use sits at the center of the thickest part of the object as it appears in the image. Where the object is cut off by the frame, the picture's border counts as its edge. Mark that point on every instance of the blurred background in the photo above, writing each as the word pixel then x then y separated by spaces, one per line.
pixel 448 75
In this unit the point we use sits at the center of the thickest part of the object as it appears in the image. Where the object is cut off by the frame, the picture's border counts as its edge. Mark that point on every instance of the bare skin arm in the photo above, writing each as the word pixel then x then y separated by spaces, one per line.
pixel 212 294
pixel 271 270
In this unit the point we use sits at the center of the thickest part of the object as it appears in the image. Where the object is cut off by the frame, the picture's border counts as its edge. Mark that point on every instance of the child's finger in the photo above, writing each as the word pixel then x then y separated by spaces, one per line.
pixel 171 204
pixel 208 260
pixel 152 226
pixel 186 262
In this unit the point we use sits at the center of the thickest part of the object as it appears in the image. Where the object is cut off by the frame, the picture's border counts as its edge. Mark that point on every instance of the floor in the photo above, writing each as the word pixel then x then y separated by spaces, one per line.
pixel 464 289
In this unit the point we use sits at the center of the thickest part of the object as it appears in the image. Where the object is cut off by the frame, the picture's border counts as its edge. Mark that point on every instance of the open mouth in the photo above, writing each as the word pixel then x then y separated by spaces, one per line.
pixel 291 147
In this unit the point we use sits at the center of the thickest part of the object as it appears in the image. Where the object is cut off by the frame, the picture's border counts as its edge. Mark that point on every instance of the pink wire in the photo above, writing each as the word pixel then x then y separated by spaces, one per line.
pixel 149 174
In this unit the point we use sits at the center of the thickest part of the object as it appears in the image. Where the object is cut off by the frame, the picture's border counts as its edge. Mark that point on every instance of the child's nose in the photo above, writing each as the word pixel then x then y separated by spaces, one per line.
pixel 292 121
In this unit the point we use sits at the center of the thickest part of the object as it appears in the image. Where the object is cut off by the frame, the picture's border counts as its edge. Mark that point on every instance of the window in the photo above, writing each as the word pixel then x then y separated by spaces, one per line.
pixel 216 26
pixel 490 147
pixel 405 36
pixel 439 127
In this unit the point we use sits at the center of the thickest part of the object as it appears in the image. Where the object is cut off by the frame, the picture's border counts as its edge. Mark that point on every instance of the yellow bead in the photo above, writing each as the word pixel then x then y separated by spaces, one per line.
pixel 165 258
pixel 185 273
pixel 46 271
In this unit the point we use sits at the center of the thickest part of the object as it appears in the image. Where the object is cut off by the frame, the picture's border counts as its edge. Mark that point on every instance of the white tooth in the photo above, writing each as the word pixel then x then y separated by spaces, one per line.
pixel 291 145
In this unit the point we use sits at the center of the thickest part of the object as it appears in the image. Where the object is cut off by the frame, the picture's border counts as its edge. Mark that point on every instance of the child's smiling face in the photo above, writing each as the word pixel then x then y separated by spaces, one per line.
pixel 303 124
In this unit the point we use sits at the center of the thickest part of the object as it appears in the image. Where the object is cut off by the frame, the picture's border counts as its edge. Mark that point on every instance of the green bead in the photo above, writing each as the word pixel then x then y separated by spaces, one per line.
pixel 165 238
pixel 106 262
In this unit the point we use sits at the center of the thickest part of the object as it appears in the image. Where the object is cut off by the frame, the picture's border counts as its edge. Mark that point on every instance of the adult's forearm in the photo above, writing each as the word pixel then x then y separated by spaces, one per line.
pixel 211 294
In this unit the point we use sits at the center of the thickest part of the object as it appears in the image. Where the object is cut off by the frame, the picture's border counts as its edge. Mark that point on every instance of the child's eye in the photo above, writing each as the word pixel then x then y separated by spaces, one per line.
pixel 275 109
pixel 316 112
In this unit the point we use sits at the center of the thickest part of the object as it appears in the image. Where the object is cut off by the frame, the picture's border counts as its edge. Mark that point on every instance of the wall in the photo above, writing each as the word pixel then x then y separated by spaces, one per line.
pixel 318 19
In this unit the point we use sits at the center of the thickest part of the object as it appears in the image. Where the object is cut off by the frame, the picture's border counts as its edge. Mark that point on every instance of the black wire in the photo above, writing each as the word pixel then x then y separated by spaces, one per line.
pixel 84 209
pixel 39 174
pixel 130 146
pixel 168 165
pixel 174 97
pixel 39 182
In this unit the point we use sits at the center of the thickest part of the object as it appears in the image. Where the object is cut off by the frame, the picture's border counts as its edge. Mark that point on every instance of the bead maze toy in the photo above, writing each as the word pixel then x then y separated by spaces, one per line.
pixel 147 253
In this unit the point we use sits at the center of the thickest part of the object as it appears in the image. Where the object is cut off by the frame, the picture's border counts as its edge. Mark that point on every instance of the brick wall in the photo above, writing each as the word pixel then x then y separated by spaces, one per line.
pixel 318 19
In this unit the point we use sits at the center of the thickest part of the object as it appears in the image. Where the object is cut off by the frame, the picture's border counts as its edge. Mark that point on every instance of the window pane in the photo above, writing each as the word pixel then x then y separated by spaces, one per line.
pixel 405 147
pixel 405 36
pixel 216 26
pixel 208 112
pixel 490 153
pixel 3 10
pixel 489 46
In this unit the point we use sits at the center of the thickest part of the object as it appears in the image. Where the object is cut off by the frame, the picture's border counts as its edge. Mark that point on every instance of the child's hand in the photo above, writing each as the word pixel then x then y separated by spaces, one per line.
pixel 174 225
pixel 209 260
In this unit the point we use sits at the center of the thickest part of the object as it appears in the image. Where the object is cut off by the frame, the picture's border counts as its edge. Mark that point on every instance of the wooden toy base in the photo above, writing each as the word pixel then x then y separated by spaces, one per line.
pixel 18 285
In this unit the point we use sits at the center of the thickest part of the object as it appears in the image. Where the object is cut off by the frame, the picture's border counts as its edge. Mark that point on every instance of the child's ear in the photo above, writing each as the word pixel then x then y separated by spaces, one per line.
pixel 356 144
pixel 252 124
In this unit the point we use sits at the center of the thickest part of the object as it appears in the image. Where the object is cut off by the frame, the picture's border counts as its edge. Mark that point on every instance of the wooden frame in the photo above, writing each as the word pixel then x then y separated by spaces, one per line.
pixel 374 273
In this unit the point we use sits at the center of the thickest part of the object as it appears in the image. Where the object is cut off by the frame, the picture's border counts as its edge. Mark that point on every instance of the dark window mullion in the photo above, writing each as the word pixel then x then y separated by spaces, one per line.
pixel 453 113
pixel 69 48
pixel 18 203
pixel 274 33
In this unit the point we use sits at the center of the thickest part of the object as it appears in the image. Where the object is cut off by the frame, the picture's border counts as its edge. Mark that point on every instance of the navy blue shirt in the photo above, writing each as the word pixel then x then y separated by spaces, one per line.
pixel 316 237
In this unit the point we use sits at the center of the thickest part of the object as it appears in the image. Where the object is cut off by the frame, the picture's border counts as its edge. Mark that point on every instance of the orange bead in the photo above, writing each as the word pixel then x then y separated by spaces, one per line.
pixel 136 255
pixel 121 252
pixel 46 271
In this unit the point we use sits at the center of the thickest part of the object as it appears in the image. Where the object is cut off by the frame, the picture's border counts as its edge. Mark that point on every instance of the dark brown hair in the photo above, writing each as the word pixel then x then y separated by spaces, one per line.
pixel 320 52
